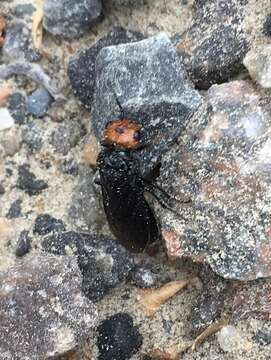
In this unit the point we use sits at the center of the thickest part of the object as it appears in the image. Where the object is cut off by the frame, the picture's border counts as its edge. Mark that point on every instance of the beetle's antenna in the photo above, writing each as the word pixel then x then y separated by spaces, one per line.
pixel 119 105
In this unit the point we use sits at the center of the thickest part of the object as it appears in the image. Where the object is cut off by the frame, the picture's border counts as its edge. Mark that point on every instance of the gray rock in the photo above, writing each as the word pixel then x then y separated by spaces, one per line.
pixel 85 209
pixel 224 167
pixel 11 140
pixel 132 3
pixel 15 209
pixel 18 42
pixel 103 262
pixel 81 69
pixel 69 18
pixel 38 103
pixel 23 244
pixel 32 136
pixel 214 47
pixel 43 311
pixel 45 223
pixel 143 277
pixel 2 189
pixel 17 107
pixel 267 25
pixel 148 81
pixel 66 136
pixel 258 63
pixel 23 10
pixel 28 182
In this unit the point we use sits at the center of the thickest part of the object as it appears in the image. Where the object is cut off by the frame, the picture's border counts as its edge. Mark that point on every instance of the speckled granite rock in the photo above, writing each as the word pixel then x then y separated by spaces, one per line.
pixel 43 311
pixel 223 164
pixel 147 79
pixel 258 64
pixel 213 48
pixel 70 18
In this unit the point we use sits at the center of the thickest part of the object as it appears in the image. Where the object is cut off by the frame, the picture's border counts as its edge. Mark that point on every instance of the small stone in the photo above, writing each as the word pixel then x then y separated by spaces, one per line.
pixel 32 136
pixel 42 309
pixel 67 136
pixel 103 262
pixel 118 338
pixel 2 189
pixel 15 209
pixel 267 25
pixel 84 197
pixel 38 103
pixel 258 63
pixel 81 69
pixel 11 140
pixel 231 340
pixel 132 3
pixel 17 107
pixel 90 151
pixel 7 120
pixel 262 337
pixel 18 42
pixel 143 277
pixel 27 181
pixel 45 223
pixel 23 10
pixel 69 18
pixel 23 244
pixel 69 167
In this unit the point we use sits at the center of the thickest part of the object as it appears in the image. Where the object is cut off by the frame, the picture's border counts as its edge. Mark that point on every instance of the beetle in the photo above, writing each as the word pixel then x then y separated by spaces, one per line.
pixel 130 217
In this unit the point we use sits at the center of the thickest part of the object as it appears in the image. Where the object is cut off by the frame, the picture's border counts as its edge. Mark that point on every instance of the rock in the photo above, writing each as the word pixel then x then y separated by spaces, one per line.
pixel 223 166
pixel 17 107
pixel 23 244
pixel 267 25
pixel 81 69
pixel 6 119
pixel 38 102
pixel 143 277
pixel 263 338
pixel 23 10
pixel 103 262
pixel 148 81
pixel 258 63
pixel 27 181
pixel 214 47
pixel 44 313
pixel 231 340
pixel 85 197
pixel 253 301
pixel 70 19
pixel 69 167
pixel 2 189
pixel 118 338
pixel 18 42
pixel 45 223
pixel 6 231
pixel 11 140
pixel 15 209
pixel 66 136
pixel 90 151
pixel 132 3
pixel 32 136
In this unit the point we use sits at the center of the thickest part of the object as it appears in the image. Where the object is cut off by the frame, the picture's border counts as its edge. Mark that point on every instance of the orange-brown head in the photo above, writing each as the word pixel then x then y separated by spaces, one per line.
pixel 124 134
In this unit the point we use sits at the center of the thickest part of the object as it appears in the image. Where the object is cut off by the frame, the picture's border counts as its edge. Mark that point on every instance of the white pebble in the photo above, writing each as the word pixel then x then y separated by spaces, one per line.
pixel 6 120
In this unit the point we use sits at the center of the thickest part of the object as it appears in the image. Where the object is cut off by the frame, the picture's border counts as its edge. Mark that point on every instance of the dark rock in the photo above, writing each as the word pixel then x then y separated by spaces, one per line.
pixel 227 224
pixel 103 262
pixel 23 244
pixel 267 26
pixel 85 197
pixel 148 81
pixel 23 10
pixel 32 136
pixel 143 277
pixel 69 167
pixel 18 42
pixel 15 209
pixel 214 47
pixel 118 339
pixel 2 189
pixel 263 338
pixel 66 136
pixel 81 69
pixel 207 308
pixel 27 181
pixel 17 107
pixel 42 309
pixel 44 224
pixel 69 18
pixel 38 102
pixel 132 3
